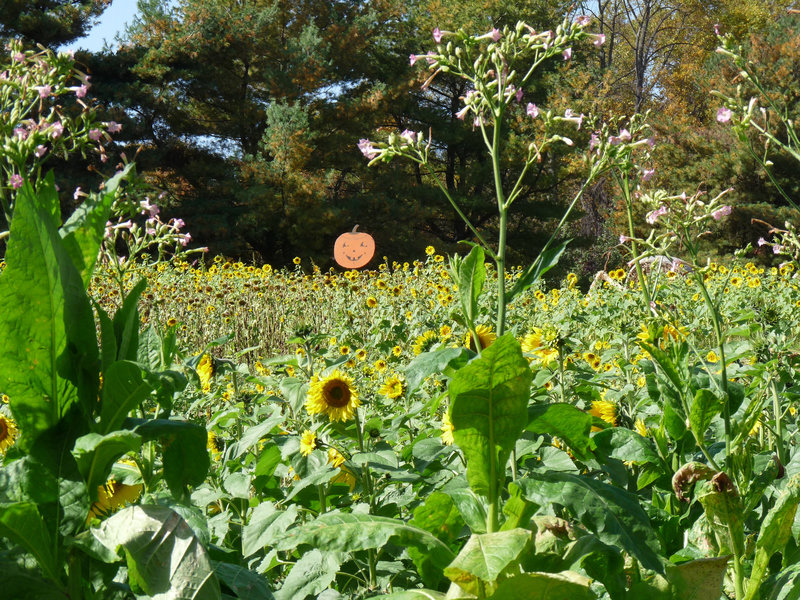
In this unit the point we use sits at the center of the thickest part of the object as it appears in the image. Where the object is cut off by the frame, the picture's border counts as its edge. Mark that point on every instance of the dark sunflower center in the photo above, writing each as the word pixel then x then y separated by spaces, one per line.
pixel 3 430
pixel 336 394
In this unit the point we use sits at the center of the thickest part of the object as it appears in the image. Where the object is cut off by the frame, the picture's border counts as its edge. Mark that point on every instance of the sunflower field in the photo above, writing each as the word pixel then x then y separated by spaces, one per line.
pixel 447 428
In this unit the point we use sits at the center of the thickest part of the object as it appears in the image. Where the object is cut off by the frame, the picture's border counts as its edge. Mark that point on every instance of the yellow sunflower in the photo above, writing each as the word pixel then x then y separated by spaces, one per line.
pixel 308 442
pixel 447 430
pixel 213 445
pixel 424 342
pixel 336 460
pixel 605 410
pixel 205 370
pixel 392 387
pixel 486 337
pixel 333 395
pixel 111 497
pixel 8 434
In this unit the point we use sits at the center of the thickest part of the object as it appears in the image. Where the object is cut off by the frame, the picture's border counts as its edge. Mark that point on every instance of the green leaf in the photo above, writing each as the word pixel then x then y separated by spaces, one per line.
pixel 697 579
pixel 775 532
pixel 165 559
pixel 565 421
pixel 440 516
pixel 253 434
pixel 723 508
pixel 25 582
pixel 295 392
pixel 185 456
pixel 428 363
pixel 489 409
pixel 611 513
pixel 545 586
pixel 149 351
pixel 786 586
pixel 599 561
pixel 518 511
pixel 49 357
pixel 95 454
pixel 485 556
pixel 414 595
pixel 705 407
pixel 266 527
pixel 544 262
pixel 126 324
pixel 83 232
pixel 246 584
pixel 21 523
pixel 471 277
pixel 624 444
pixel 310 575
pixel 123 391
pixel 268 459
pixel 471 507
pixel 349 532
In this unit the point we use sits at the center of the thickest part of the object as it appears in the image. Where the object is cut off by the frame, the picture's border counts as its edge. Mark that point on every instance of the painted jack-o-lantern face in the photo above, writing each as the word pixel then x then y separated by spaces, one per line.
pixel 353 250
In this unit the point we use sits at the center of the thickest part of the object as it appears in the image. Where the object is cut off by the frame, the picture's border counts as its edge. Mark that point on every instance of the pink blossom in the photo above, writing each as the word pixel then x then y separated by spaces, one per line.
pixel 113 127
pixel 724 115
pixel 762 241
pixel 495 34
pixel 178 224
pixel 722 211
pixel 567 54
pixel 40 151
pixel 16 181
pixel 653 216
pixel 477 121
pixel 594 141
pixel 147 207
pixel 777 248
pixel 571 116
pixel 412 58
pixel 651 141
pixel 518 95
pixel 367 149
pixel 21 133
pixel 532 110
pixel 717 29
pixel 599 39
pixel 624 239
pixel 185 239
pixel 437 36
pixel 80 92
pixel 95 135
pixel 567 141
pixel 583 21
pixel 56 129
pixel 44 90
pixel 409 136
pixel 429 57
pixel 647 174
pixel 625 135
pixel 462 113
pixel 78 193
pixel 18 57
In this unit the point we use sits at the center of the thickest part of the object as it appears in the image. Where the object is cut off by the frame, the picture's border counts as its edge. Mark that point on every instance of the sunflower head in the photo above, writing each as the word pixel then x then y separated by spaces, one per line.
pixel 392 387
pixel 447 430
pixel 205 371
pixel 333 395
pixel 605 410
pixel 308 442
pixel 486 338
pixel 8 434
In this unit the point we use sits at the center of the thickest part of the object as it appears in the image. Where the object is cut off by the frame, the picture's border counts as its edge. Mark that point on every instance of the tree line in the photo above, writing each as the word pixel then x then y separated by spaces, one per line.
pixel 247 115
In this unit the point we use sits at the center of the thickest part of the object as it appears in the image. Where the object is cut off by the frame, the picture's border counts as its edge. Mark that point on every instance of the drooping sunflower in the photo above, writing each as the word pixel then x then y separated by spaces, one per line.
pixel 111 497
pixel 336 460
pixel 447 430
pixel 213 445
pixel 333 395
pixel 424 342
pixel 486 338
pixel 8 434
pixel 392 387
pixel 605 410
pixel 205 371
pixel 308 442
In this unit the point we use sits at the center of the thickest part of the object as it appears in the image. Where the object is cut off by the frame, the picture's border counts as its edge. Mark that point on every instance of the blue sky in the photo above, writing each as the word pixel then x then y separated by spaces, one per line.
pixel 111 22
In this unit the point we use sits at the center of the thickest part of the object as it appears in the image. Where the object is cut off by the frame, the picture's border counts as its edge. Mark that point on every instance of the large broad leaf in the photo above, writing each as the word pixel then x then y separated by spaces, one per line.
pixel 485 556
pixel 624 444
pixel 21 523
pixel 123 390
pixel 704 407
pixel 185 456
pixel 126 324
pixel 95 454
pixel 775 532
pixel 25 582
pixel 310 575
pixel 786 585
pixel 49 357
pixel 246 584
pixel 266 526
pixel 83 232
pixel 254 434
pixel 489 409
pixel 414 595
pixel 428 363
pixel 545 586
pixel 698 579
pixel 349 532
pixel 565 421
pixel 471 276
pixel 165 559
pixel 543 263
pixel 611 513
pixel 441 517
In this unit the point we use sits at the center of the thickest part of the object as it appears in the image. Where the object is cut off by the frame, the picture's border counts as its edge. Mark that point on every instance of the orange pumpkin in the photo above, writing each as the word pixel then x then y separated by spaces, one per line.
pixel 353 249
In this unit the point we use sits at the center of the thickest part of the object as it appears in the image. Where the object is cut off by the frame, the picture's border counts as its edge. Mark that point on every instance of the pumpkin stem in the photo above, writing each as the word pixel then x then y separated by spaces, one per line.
pixel 354 228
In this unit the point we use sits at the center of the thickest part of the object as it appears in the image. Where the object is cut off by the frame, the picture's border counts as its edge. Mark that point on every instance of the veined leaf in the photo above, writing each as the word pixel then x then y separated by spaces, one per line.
pixel 471 277
pixel 489 409
pixel 485 556
pixel 566 421
pixel 545 586
pixel 544 262
pixel 123 390
pixel 21 523
pixel 95 454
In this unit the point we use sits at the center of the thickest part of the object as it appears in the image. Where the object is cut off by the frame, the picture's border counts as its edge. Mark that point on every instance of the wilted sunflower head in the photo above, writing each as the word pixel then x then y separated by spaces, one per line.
pixel 333 395
pixel 8 434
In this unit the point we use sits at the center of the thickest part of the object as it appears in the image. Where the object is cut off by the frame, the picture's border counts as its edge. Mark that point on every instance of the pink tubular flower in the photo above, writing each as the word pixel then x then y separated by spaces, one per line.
pixel 412 58
pixel 653 216
pixel 80 92
pixel 724 115
pixel 571 116
pixel 717 29
pixel 367 149
pixel 40 151
pixel 147 207
pixel 18 57
pixel 44 91
pixel 178 224
pixel 599 39
pixel 113 127
pixel 567 54
pixel 583 21
pixel 532 110
pixel 722 211
pixel 762 241
pixel 518 95
pixel 495 34
pixel 78 193
pixel 409 136
pixel 625 135
pixel 437 36
pixel 777 248
pixel 56 129
pixel 16 181
pixel 95 135
pixel 185 239
pixel 624 239
pixel 462 113
pixel 647 174
pixel 21 133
